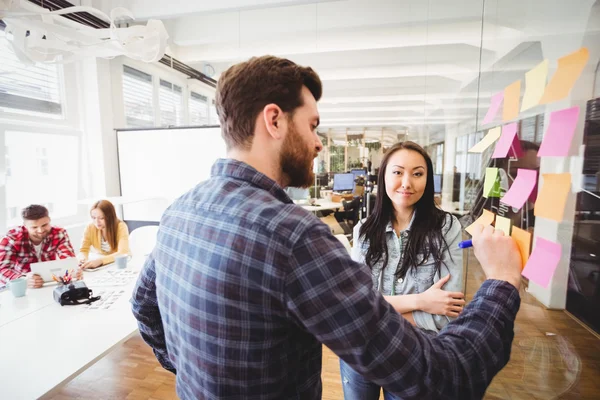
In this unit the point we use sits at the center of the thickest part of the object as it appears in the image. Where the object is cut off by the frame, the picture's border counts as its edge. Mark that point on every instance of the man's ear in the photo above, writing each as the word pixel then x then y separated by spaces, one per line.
pixel 274 121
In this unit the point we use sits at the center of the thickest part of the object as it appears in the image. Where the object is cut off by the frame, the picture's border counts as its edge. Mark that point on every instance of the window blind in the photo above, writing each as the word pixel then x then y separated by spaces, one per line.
pixel 170 101
pixel 198 106
pixel 137 98
pixel 214 118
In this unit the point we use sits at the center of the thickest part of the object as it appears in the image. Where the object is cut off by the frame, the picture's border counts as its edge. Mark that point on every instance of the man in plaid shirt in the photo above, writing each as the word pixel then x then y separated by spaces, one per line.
pixel 36 240
pixel 243 286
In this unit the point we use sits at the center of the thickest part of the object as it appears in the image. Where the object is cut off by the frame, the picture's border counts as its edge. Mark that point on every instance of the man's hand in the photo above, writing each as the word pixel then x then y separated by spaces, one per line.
pixel 498 254
pixel 35 281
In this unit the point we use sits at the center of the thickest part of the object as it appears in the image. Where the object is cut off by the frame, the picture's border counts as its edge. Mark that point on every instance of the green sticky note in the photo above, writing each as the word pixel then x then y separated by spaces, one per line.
pixel 491 185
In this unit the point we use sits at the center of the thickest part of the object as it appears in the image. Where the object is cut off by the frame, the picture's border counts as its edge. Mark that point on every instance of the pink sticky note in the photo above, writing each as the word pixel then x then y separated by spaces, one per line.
pixel 543 262
pixel 558 137
pixel 494 107
pixel 521 188
pixel 508 144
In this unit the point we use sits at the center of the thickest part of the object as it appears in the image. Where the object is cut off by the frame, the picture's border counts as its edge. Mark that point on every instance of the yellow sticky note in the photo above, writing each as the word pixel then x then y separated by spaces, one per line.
pixel 512 95
pixel 569 69
pixel 552 197
pixel 523 239
pixel 535 84
pixel 487 218
pixel 492 135
pixel 503 224
pixel 491 185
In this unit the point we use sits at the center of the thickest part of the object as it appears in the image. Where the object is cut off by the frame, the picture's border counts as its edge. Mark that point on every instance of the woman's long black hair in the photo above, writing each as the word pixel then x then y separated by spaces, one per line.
pixel 426 234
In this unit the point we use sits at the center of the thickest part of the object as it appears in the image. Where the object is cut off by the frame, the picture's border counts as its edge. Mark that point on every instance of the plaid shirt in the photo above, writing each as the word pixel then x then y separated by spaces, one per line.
pixel 17 251
pixel 243 286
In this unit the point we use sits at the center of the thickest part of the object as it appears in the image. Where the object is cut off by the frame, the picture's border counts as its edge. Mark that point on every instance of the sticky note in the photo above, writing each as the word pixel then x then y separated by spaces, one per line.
pixel 521 188
pixel 523 240
pixel 543 262
pixel 552 198
pixel 491 185
pixel 492 135
pixel 503 224
pixel 535 84
pixel 512 95
pixel 509 144
pixel 487 218
pixel 569 69
pixel 559 135
pixel 496 101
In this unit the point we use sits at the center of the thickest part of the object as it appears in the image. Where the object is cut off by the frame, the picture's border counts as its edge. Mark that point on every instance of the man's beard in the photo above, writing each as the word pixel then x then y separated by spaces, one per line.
pixel 296 161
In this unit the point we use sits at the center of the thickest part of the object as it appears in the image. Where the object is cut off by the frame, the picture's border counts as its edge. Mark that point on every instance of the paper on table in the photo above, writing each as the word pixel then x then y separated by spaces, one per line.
pixel 552 198
pixel 503 224
pixel 535 83
pixel 487 218
pixel 543 262
pixel 569 69
pixel 523 239
pixel 559 135
pixel 494 107
pixel 492 135
pixel 521 188
pixel 512 95
pixel 509 143
pixel 491 185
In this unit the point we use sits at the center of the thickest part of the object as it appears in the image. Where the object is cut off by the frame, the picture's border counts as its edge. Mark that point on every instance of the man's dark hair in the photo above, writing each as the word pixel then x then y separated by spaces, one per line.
pixel 246 88
pixel 34 212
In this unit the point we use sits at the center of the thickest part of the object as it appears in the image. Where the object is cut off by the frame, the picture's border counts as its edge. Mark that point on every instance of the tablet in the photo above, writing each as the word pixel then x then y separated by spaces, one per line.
pixel 45 269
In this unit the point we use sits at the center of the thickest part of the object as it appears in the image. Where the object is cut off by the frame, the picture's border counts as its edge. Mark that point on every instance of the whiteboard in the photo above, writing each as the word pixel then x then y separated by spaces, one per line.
pixel 158 165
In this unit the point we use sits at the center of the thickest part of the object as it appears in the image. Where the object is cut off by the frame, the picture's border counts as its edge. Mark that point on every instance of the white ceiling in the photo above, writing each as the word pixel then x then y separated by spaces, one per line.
pixel 408 66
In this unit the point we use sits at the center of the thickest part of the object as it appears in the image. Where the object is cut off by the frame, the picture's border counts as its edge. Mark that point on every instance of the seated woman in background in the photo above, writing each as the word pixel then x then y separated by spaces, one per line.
pixel 106 235
pixel 411 247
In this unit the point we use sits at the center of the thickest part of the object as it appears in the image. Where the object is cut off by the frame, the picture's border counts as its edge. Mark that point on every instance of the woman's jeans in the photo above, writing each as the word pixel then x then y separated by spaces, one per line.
pixel 358 388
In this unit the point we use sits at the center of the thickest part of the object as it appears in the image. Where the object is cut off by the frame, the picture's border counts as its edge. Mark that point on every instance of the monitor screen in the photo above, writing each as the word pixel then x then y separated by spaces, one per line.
pixel 437 183
pixel 343 182
pixel 358 172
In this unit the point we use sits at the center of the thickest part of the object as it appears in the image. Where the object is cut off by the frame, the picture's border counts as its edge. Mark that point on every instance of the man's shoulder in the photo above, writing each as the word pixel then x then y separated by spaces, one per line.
pixel 59 232
pixel 17 234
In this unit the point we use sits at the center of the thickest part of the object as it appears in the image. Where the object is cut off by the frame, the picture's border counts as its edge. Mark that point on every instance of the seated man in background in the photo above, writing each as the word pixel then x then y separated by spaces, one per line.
pixel 34 241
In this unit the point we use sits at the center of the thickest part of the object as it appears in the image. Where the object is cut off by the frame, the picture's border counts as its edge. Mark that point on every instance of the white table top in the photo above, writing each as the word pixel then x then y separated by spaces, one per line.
pixel 323 205
pixel 43 344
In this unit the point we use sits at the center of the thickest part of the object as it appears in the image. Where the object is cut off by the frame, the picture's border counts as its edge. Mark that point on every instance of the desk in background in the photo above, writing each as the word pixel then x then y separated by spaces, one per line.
pixel 44 345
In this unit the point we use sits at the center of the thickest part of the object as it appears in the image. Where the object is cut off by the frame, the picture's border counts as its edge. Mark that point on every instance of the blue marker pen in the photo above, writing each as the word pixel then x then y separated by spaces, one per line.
pixel 465 244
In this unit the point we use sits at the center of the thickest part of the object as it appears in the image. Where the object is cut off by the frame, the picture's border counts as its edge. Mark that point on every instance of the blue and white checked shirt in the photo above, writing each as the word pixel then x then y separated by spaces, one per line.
pixel 243 286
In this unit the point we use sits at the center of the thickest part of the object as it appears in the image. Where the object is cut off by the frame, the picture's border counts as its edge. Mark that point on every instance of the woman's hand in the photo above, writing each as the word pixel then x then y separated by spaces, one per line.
pixel 440 302
pixel 91 264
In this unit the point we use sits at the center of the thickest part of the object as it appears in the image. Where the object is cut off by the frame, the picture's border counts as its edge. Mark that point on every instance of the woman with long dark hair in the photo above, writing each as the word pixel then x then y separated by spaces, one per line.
pixel 411 247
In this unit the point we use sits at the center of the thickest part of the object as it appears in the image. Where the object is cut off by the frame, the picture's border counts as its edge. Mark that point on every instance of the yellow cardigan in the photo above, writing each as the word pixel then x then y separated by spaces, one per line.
pixel 93 237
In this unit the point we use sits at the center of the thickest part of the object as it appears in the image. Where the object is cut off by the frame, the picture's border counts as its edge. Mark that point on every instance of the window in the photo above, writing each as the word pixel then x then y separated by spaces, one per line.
pixel 138 98
pixel 170 99
pixel 214 118
pixel 198 105
pixel 46 173
pixel 12 212
pixel 29 89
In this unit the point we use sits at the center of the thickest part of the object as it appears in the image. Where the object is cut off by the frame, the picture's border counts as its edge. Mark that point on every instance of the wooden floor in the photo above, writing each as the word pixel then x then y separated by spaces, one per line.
pixel 553 357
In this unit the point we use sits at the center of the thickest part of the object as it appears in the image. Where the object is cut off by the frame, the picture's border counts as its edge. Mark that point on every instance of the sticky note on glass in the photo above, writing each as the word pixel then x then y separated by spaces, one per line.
pixel 503 224
pixel 492 135
pixel 543 262
pixel 512 95
pixel 559 135
pixel 487 218
pixel 496 101
pixel 569 69
pixel 509 144
pixel 552 197
pixel 491 185
pixel 523 240
pixel 535 83
pixel 521 188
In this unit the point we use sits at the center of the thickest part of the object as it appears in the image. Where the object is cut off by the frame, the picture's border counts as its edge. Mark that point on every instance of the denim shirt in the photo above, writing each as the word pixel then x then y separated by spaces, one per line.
pixel 416 280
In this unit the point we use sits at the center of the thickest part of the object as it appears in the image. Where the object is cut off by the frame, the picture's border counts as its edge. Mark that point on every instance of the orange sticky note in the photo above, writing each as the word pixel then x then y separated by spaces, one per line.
pixel 552 198
pixel 523 239
pixel 512 95
pixel 487 218
pixel 568 71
